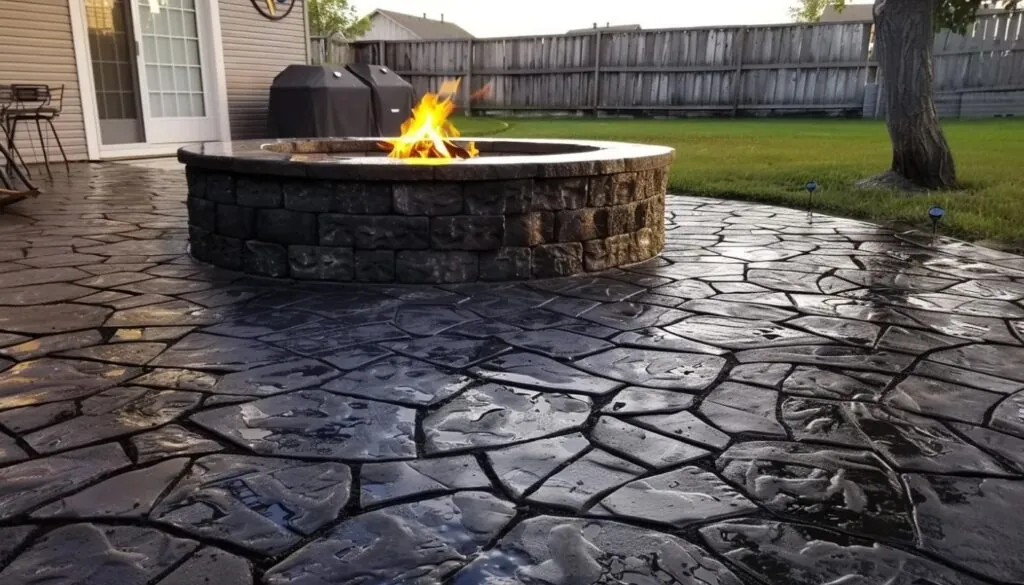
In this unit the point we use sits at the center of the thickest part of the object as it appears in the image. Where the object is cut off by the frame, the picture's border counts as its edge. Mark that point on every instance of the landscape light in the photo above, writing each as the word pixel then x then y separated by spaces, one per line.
pixel 936 214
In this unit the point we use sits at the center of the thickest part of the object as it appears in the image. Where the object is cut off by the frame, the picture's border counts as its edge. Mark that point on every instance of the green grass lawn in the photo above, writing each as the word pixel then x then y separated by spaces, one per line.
pixel 770 160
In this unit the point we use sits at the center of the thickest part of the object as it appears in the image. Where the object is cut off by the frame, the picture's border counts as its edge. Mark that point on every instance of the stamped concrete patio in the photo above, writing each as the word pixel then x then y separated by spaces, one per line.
pixel 775 400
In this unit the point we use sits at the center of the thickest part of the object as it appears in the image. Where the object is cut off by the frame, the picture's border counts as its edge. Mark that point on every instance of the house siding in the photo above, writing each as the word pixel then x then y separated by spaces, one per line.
pixel 36 46
pixel 383 28
pixel 255 51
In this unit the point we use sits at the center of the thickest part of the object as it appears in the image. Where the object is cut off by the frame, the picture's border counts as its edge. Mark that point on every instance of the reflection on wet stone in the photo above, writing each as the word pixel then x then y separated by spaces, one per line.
pixel 201 351
pixel 128 495
pixel 831 355
pixel 10 451
pixel 400 379
pixel 740 333
pixel 170 441
pixel 521 467
pixel 637 400
pixel 418 542
pixel 169 313
pixel 262 504
pixel 941 399
pixel 585 478
pixel 760 374
pixel 115 412
pixel 533 371
pixel 276 378
pixel 996 360
pixel 1009 415
pixel 629 316
pixel 802 555
pixel 492 415
pixel 676 498
pixel 12 537
pixel 556 343
pixel 913 442
pixel 318 340
pixel 208 561
pixel 567 551
pixel 686 426
pixel 738 408
pixel 313 423
pixel 818 383
pixel 821 421
pixel 178 379
pixel 28 418
pixel 1008 447
pixel 126 555
pixel 646 446
pixel 966 377
pixel 52 344
pixel 657 338
pixel 915 340
pixel 448 351
pixel 57 318
pixel 851 490
pixel 52 380
pixel 656 369
pixel 382 482
pixel 972 522
pixel 30 483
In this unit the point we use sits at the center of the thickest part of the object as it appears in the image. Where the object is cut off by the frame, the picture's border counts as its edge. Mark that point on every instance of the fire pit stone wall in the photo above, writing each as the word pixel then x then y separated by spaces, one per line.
pixel 386 223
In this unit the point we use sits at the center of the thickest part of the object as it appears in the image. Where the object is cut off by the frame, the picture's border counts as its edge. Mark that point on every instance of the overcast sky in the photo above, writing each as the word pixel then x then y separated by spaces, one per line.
pixel 489 18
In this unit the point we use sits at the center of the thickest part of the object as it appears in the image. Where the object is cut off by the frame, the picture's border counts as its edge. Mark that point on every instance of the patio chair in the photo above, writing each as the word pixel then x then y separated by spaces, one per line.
pixel 6 100
pixel 38 103
pixel 9 159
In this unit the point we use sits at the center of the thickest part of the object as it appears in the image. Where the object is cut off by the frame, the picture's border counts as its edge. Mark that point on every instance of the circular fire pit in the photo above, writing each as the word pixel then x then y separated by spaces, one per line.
pixel 340 210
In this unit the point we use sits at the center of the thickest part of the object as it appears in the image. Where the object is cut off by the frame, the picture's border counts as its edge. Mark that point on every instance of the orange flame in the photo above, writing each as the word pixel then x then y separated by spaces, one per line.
pixel 428 131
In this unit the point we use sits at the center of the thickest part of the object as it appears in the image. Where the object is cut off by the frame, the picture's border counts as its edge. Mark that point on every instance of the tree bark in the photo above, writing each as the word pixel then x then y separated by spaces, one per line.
pixel 904 35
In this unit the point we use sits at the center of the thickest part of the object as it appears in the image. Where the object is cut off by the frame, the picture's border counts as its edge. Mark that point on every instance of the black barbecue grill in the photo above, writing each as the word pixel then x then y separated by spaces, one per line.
pixel 393 97
pixel 314 101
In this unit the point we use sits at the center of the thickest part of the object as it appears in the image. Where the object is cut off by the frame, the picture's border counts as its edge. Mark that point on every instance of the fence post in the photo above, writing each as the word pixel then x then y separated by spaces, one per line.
pixel 468 85
pixel 380 54
pixel 595 90
pixel 738 49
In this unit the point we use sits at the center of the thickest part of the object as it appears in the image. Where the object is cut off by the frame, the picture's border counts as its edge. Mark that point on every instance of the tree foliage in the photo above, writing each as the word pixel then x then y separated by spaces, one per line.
pixel 808 11
pixel 956 15
pixel 327 17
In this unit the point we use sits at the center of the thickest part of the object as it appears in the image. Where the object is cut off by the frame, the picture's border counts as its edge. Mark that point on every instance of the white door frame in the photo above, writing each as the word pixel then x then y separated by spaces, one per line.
pixel 208 9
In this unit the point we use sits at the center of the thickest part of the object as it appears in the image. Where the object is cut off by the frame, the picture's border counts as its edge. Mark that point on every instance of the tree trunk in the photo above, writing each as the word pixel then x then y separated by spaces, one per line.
pixel 904 34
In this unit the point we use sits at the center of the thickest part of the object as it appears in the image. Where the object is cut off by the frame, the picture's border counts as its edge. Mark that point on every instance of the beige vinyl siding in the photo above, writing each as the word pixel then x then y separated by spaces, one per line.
pixel 255 51
pixel 36 47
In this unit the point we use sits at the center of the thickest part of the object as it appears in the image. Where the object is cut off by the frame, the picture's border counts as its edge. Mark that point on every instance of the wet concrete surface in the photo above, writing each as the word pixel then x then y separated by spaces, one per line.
pixel 777 399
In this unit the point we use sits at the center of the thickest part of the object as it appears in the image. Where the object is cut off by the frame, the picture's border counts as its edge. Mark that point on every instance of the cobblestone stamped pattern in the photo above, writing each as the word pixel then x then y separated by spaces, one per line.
pixel 777 399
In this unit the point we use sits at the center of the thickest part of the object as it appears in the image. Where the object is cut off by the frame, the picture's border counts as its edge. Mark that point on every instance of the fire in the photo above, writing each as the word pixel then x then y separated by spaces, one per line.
pixel 428 132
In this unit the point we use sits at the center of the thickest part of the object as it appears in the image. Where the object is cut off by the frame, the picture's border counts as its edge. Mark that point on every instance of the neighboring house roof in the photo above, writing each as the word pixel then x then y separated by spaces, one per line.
pixel 424 28
pixel 616 28
pixel 852 13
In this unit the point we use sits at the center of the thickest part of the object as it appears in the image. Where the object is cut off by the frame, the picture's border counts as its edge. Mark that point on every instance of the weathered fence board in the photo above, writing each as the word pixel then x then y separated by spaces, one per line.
pixel 810 68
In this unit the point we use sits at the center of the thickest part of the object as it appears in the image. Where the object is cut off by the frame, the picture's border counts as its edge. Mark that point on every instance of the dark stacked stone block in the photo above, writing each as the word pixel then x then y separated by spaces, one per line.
pixel 425 231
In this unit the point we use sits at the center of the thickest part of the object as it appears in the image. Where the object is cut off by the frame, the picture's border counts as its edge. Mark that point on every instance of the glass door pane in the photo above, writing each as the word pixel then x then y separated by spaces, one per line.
pixel 112 52
pixel 171 58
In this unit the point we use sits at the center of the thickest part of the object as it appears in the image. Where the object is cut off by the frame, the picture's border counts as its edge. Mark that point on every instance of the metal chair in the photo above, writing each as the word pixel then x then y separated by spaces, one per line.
pixel 6 100
pixel 38 103
pixel 9 158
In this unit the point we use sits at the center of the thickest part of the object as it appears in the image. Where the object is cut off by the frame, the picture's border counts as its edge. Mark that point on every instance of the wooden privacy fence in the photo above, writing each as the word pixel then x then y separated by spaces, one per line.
pixel 800 68
pixel 328 50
